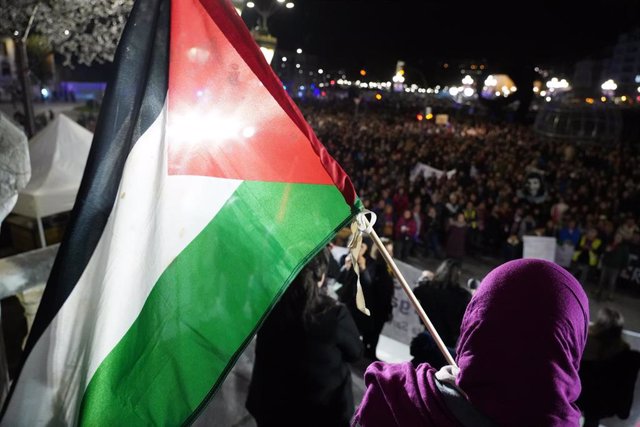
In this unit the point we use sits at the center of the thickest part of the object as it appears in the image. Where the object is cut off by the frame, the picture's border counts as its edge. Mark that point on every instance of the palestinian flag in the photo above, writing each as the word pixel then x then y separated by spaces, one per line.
pixel 204 194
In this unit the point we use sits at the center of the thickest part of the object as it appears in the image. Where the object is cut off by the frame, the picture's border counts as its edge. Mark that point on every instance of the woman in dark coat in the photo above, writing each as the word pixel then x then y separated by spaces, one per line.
pixel 445 301
pixel 380 297
pixel 405 234
pixel 456 237
pixel 301 374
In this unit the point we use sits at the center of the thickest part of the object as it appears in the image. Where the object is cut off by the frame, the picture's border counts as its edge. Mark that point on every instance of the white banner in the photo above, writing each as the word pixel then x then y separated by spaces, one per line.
pixel 539 247
pixel 564 255
pixel 405 323
pixel 428 171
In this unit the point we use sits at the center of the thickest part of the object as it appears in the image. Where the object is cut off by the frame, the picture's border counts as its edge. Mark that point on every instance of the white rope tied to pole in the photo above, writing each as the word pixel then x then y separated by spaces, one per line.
pixel 363 225
pixel 358 227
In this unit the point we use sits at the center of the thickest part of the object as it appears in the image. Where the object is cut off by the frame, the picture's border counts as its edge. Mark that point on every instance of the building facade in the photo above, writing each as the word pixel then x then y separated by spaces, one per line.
pixel 624 67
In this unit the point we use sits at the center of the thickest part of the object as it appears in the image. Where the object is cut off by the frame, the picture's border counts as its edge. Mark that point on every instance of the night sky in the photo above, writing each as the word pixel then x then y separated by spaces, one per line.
pixel 374 34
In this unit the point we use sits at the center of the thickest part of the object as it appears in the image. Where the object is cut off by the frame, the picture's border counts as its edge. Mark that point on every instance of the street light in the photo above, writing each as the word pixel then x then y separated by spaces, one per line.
pixel 554 83
pixel 609 88
pixel 491 81
pixel 267 11
pixel 298 51
pixel 260 33
pixel 468 80
pixel 399 79
pixel 609 85
pixel 266 42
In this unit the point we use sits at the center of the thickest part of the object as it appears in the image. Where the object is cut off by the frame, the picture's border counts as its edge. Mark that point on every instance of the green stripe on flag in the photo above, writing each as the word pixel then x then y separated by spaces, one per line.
pixel 209 300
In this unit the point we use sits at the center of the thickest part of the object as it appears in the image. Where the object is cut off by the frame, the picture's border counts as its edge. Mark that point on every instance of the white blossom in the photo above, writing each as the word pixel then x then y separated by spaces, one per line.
pixel 83 31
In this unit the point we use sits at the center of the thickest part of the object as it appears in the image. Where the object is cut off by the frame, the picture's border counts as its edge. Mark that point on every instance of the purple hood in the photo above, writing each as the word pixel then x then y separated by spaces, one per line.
pixel 520 346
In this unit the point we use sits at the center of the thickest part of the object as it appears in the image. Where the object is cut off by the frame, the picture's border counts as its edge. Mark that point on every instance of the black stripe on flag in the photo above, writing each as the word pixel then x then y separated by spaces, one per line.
pixel 133 101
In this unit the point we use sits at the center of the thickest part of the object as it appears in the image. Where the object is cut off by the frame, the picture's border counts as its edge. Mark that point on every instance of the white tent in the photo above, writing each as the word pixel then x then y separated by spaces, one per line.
pixel 58 156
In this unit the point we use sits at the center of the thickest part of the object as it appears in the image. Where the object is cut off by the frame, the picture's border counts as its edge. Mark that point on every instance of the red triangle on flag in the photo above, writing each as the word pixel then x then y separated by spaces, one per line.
pixel 223 119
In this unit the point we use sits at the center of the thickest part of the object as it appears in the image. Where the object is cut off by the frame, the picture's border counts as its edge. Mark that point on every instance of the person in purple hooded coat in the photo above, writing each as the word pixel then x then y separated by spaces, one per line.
pixel 521 341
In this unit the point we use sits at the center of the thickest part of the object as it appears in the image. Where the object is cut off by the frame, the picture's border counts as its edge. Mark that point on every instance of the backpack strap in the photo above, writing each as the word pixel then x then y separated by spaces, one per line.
pixel 466 414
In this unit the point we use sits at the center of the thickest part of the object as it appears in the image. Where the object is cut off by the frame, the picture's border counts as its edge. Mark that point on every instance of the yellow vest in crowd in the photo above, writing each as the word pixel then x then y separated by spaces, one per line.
pixel 470 217
pixel 593 256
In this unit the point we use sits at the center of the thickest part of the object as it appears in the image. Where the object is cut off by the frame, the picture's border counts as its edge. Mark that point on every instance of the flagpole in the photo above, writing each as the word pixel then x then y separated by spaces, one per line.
pixel 412 298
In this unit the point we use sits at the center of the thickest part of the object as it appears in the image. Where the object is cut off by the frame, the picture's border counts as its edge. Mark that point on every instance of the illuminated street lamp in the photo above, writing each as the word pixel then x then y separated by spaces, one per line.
pixel 555 84
pixel 609 88
pixel 609 85
pixel 468 80
pixel 266 42
pixel 260 33
pixel 398 78
pixel 555 87
pixel 490 81
pixel 266 12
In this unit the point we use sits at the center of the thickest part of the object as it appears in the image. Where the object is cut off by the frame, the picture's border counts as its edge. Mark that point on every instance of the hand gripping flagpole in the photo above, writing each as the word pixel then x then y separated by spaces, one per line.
pixel 365 226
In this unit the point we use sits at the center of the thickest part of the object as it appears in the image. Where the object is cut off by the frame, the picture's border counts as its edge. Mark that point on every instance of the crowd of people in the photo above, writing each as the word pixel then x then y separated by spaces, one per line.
pixel 504 183
pixel 528 318
pixel 486 188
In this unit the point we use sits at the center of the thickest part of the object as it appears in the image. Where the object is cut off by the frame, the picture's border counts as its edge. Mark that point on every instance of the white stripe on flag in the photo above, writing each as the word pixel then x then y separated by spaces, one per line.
pixel 154 218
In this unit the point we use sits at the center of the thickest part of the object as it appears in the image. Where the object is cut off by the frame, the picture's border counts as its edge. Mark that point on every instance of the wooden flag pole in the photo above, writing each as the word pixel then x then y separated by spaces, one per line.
pixel 405 286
